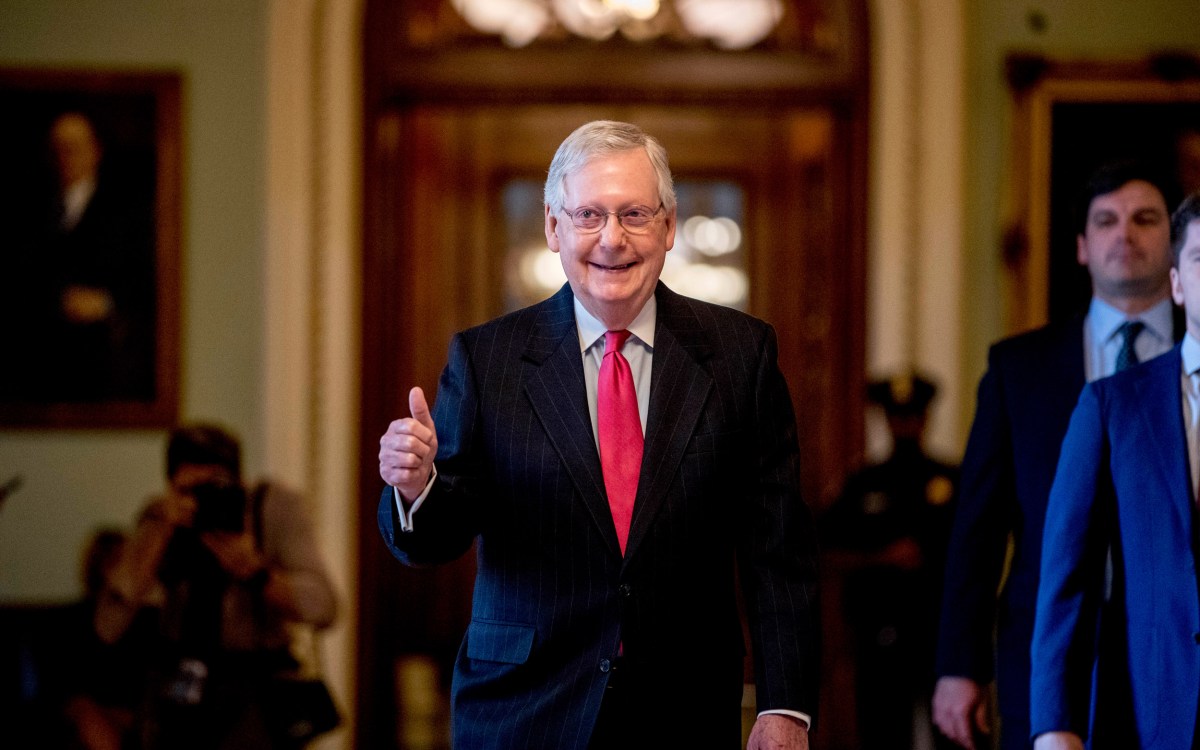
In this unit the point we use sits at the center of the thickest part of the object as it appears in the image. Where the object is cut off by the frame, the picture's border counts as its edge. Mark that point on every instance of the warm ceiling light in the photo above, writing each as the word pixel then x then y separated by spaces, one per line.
pixel 730 24
pixel 642 10
pixel 518 22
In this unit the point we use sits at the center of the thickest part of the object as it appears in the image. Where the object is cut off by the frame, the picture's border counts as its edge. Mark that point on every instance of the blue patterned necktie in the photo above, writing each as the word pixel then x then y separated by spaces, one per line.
pixel 1129 331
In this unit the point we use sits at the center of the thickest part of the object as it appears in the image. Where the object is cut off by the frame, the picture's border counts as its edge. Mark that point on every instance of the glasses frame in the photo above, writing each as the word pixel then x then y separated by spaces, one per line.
pixel 632 230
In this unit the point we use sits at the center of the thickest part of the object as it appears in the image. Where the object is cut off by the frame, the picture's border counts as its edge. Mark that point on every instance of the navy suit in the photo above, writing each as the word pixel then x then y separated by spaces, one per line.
pixel 1024 405
pixel 1123 480
pixel 554 600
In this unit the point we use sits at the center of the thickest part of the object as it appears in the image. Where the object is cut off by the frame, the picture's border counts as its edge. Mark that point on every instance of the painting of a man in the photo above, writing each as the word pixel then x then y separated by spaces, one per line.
pixel 78 306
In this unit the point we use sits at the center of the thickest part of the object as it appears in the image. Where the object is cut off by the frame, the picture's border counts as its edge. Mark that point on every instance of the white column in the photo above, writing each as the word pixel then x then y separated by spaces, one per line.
pixel 312 292
pixel 915 244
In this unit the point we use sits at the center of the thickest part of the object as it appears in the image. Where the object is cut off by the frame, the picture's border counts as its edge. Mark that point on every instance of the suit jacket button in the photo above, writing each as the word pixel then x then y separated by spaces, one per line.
pixel 625 590
pixel 605 665
pixel 1196 637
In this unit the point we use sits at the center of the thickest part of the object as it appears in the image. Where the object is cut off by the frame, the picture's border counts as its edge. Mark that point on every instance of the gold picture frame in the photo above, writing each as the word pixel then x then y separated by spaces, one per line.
pixel 89 298
pixel 1069 117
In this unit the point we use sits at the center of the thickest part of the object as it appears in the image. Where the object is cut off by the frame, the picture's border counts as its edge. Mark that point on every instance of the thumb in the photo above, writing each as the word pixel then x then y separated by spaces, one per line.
pixel 981 718
pixel 419 408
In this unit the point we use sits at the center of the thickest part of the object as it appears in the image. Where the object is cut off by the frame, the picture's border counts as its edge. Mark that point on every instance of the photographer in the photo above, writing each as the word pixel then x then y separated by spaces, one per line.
pixel 234 567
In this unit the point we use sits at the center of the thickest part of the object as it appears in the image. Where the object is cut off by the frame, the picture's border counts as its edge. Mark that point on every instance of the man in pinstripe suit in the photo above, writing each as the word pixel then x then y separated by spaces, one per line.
pixel 580 636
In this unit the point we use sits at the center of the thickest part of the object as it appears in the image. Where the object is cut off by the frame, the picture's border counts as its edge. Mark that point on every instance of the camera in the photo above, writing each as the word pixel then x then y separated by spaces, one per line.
pixel 219 507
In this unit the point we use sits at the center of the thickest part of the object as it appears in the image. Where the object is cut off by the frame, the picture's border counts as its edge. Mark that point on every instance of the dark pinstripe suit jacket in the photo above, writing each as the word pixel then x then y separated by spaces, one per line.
pixel 518 469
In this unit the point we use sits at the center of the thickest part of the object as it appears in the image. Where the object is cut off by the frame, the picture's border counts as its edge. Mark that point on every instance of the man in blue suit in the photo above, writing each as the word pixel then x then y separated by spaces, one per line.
pixel 599 622
pixel 1025 400
pixel 1127 481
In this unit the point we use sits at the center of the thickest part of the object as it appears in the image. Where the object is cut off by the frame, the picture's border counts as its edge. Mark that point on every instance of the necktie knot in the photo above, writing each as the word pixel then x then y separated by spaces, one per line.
pixel 614 340
pixel 1129 330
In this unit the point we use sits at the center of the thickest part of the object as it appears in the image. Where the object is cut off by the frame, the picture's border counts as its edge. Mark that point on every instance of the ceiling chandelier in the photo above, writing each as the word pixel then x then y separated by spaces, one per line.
pixel 728 24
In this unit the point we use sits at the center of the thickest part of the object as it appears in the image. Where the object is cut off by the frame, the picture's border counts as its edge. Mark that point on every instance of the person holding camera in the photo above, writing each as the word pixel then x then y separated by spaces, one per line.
pixel 233 568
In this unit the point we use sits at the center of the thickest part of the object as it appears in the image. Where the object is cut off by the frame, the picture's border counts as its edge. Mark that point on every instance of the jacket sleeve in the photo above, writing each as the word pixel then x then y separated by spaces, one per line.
pixel 447 521
pixel 982 523
pixel 1072 575
pixel 290 544
pixel 778 553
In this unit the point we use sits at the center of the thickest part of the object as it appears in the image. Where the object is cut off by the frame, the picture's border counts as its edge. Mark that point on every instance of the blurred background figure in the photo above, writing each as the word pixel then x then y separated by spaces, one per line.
pixel 238 567
pixel 887 534
pixel 76 692
pixel 103 683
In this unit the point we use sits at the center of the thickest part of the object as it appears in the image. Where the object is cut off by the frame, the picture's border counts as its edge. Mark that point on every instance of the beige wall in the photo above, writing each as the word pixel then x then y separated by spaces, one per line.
pixel 1074 29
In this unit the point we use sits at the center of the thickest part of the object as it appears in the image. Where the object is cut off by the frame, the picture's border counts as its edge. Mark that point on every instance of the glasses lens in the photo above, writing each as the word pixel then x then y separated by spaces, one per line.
pixel 588 219
pixel 633 219
pixel 637 218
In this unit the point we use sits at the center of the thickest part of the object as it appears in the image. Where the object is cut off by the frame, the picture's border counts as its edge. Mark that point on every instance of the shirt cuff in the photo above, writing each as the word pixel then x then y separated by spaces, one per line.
pixel 406 514
pixel 794 714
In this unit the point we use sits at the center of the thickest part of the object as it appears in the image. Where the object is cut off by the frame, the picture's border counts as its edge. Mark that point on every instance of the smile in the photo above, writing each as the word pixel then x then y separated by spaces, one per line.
pixel 613 268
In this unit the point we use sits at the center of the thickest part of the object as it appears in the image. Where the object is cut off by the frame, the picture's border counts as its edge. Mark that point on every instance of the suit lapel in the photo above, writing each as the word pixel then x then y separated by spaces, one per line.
pixel 556 395
pixel 1158 393
pixel 679 386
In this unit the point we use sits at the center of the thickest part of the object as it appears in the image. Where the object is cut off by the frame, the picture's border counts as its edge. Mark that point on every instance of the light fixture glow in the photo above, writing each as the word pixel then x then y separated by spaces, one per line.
pixel 712 237
pixel 730 24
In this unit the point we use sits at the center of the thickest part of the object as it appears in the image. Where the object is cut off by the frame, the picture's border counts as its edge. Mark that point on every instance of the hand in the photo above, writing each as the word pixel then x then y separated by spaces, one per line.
pixel 97 727
pixel 407 449
pixel 960 709
pixel 86 304
pixel 236 552
pixel 904 554
pixel 1058 741
pixel 778 732
pixel 178 508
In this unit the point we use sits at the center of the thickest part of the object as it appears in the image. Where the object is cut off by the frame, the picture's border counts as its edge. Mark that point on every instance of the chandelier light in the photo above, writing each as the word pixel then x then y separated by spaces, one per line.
pixel 728 24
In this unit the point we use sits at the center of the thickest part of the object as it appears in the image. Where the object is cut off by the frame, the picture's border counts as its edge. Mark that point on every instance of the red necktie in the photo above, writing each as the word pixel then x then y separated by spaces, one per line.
pixel 620 432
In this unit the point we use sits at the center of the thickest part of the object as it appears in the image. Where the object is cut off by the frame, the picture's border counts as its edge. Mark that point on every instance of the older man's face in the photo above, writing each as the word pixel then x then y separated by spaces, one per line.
pixel 612 272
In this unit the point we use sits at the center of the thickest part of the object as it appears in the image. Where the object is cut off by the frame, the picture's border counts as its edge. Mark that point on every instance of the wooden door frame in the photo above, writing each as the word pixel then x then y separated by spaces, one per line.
pixel 398 78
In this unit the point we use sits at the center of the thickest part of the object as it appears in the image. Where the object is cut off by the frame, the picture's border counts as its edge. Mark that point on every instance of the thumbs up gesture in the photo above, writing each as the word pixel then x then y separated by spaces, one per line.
pixel 407 449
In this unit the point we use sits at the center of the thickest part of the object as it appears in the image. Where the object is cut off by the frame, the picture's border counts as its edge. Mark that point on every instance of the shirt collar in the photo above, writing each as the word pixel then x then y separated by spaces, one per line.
pixel 590 329
pixel 1105 319
pixel 1191 354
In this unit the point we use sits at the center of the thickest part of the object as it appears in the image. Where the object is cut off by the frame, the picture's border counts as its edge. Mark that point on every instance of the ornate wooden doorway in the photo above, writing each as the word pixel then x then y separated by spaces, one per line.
pixel 452 130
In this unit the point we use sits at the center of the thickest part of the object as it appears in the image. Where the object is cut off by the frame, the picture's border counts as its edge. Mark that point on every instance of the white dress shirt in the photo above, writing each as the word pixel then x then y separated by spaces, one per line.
pixel 1189 381
pixel 1102 343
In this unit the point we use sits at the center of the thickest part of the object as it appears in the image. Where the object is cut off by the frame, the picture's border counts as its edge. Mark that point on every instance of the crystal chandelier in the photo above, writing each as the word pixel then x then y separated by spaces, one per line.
pixel 729 24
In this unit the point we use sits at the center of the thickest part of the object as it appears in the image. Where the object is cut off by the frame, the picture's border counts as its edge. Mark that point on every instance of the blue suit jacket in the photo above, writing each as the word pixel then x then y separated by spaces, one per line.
pixel 554 599
pixel 1123 480
pixel 1024 405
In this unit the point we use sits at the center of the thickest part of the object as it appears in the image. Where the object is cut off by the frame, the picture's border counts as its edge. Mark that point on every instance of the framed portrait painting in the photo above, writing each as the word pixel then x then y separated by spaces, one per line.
pixel 89 252
pixel 1070 118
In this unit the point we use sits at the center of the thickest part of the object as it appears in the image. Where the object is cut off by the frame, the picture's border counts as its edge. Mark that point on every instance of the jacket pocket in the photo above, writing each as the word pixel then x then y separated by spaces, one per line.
pixel 710 442
pixel 505 642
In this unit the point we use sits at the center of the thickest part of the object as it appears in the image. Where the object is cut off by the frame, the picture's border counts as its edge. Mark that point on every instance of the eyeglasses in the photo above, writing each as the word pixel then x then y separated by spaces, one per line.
pixel 635 219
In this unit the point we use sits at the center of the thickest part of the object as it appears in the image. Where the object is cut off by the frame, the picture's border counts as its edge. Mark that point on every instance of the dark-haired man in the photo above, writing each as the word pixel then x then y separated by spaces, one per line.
pixel 1025 400
pixel 1127 481
pixel 236 567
